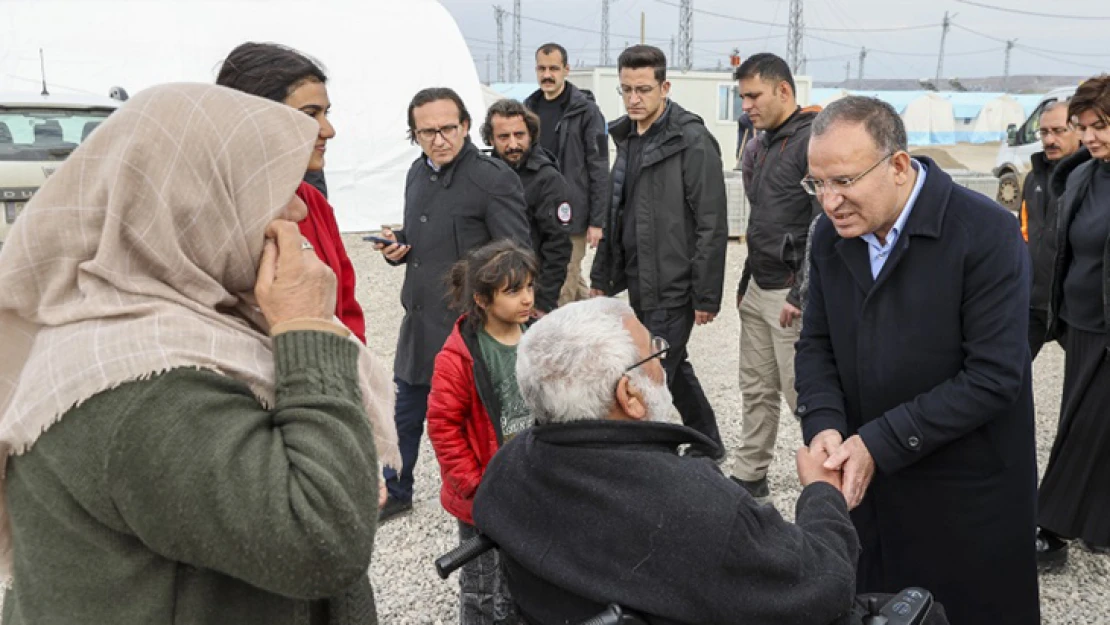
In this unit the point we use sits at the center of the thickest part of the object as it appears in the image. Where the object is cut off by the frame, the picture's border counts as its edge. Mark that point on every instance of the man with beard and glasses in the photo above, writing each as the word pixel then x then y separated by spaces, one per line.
pixel 595 505
pixel 513 132
pixel 1038 214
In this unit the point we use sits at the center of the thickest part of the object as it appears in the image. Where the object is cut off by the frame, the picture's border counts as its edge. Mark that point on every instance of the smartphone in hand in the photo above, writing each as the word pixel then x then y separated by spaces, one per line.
pixel 382 240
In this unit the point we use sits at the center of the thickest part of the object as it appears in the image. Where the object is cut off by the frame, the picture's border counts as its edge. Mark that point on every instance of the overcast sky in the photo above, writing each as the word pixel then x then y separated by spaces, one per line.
pixel 1079 46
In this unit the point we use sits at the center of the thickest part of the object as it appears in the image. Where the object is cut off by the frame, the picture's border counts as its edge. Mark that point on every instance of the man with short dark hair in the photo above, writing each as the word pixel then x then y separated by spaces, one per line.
pixel 572 129
pixel 914 372
pixel 667 232
pixel 1038 214
pixel 456 199
pixel 513 132
pixel 778 226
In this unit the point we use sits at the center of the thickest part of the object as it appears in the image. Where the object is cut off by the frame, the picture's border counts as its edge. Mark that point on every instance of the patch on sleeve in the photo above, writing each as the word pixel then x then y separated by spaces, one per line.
pixel 564 212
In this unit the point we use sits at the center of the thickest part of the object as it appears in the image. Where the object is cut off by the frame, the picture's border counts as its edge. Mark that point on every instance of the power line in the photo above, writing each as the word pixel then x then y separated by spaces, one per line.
pixel 1032 13
pixel 827 30
pixel 896 53
pixel 584 30
pixel 1037 52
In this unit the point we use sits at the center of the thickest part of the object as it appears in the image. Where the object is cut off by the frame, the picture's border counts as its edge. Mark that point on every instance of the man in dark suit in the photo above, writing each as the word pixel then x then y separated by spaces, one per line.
pixel 913 369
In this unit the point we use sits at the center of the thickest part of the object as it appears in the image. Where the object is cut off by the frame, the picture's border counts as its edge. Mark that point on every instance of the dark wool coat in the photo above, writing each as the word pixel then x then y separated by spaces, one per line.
pixel 929 364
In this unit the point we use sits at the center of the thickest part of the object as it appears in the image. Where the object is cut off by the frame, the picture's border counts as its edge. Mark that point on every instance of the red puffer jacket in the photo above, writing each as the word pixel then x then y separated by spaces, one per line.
pixel 462 433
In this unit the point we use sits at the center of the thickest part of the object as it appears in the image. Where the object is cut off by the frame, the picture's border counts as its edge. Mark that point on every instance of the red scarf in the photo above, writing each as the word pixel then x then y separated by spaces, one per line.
pixel 323 233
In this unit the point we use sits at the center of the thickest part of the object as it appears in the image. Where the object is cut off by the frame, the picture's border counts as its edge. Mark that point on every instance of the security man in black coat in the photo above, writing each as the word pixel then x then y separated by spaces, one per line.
pixel 513 131
pixel 668 226
pixel 456 199
pixel 1039 209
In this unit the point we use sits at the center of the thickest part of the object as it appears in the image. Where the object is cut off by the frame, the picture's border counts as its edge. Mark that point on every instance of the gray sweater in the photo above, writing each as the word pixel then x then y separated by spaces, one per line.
pixel 180 499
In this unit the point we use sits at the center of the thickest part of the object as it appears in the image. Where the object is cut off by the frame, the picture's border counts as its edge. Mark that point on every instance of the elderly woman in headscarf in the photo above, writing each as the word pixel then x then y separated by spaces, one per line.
pixel 190 436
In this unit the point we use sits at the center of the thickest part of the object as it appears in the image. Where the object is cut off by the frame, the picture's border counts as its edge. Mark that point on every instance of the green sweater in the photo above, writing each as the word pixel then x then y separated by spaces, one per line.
pixel 180 499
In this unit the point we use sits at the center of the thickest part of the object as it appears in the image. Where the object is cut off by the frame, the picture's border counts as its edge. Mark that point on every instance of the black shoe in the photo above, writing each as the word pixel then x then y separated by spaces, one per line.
pixel 1095 549
pixel 393 508
pixel 1052 551
pixel 758 489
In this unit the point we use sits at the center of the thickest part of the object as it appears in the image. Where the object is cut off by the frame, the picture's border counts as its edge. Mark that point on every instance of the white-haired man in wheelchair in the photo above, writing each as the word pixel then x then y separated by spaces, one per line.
pixel 596 506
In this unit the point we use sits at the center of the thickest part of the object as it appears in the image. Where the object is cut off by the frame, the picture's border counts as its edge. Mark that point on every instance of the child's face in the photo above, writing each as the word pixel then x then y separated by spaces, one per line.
pixel 512 306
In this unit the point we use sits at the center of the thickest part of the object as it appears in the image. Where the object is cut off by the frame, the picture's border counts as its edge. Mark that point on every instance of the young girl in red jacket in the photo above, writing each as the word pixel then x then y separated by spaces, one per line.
pixel 475 404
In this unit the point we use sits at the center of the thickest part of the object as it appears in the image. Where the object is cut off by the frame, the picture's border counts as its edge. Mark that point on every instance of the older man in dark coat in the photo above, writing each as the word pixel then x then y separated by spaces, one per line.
pixel 913 369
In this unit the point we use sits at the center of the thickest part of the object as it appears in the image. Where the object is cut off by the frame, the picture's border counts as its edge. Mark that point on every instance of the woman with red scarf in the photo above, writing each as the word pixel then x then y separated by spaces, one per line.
pixel 284 75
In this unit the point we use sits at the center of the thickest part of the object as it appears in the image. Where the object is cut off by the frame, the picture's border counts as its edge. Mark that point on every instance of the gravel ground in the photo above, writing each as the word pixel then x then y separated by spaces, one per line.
pixel 410 593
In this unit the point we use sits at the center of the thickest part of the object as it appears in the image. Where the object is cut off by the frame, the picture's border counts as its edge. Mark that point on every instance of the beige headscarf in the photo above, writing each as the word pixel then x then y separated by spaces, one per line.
pixel 139 255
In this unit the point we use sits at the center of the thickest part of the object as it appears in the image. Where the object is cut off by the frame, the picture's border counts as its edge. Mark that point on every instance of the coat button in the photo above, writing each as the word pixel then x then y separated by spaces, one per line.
pixel 423 219
pixel 801 409
pixel 418 308
pixel 415 264
pixel 914 442
pixel 434 177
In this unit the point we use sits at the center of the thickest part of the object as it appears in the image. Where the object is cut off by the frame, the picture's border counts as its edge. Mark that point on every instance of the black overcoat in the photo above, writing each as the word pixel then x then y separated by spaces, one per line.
pixel 929 364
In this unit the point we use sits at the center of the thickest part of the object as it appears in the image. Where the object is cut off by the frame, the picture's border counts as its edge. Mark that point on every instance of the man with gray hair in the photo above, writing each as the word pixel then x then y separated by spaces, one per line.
pixel 1038 213
pixel 594 504
pixel 913 369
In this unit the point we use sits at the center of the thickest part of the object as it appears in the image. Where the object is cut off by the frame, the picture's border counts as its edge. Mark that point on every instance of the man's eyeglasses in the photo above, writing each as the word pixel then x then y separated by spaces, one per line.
pixel 1059 132
pixel 640 90
pixel 659 349
pixel 840 184
pixel 429 134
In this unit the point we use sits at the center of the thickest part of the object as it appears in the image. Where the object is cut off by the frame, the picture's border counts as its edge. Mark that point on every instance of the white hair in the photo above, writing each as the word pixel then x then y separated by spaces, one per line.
pixel 569 363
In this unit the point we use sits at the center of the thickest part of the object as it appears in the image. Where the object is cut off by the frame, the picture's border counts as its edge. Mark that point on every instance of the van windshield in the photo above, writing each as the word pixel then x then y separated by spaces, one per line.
pixel 41 134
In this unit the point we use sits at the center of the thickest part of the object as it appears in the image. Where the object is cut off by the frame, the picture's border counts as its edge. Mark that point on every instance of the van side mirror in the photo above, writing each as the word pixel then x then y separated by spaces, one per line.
pixel 1011 134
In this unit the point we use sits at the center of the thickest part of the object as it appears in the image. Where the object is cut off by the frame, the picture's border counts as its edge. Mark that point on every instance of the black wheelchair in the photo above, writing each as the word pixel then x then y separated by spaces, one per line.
pixel 911 606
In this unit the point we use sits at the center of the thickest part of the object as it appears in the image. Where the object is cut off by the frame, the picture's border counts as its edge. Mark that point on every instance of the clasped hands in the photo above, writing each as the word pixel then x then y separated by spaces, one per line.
pixel 846 464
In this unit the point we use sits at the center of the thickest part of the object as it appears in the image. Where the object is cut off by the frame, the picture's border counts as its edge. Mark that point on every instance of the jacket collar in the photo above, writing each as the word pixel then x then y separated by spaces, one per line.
pixel 604 432
pixel 800 119
pixel 664 140
pixel 538 158
pixel 447 172
pixel 926 220
pixel 1059 180
pixel 577 100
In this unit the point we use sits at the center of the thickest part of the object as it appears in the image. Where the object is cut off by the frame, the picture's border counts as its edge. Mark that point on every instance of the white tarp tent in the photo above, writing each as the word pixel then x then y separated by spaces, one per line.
pixel 375 64
pixel 991 122
pixel 929 120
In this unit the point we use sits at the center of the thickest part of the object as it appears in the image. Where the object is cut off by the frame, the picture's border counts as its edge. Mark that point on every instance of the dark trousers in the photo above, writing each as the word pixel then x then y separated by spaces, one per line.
pixel 1038 331
pixel 409 414
pixel 674 325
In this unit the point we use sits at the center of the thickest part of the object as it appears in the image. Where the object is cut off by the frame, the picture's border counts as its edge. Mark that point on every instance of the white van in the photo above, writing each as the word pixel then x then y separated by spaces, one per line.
pixel 1021 143
pixel 37 133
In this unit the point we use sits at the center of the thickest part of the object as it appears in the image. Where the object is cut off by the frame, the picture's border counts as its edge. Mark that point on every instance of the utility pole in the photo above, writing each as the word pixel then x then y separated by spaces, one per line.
pixel 802 69
pixel 643 28
pixel 847 72
pixel 517 54
pixel 672 57
pixel 943 36
pixel 499 17
pixel 794 34
pixel 862 60
pixel 686 35
pixel 489 76
pixel 1006 68
pixel 605 61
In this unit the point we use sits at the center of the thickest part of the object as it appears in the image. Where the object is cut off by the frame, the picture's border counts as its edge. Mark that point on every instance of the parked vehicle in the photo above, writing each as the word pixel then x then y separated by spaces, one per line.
pixel 1021 143
pixel 37 133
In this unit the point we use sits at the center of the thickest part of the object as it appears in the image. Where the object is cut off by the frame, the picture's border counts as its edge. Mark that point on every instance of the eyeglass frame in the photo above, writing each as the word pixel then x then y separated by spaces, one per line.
pixel 638 90
pixel 1043 132
pixel 659 345
pixel 842 187
pixel 442 131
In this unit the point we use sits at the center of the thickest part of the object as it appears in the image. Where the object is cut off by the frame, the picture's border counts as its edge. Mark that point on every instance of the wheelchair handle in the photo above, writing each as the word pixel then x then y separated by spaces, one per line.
pixel 614 615
pixel 467 551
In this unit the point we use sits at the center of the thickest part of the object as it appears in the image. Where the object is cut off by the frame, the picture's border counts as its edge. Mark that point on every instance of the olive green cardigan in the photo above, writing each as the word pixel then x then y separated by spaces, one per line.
pixel 180 499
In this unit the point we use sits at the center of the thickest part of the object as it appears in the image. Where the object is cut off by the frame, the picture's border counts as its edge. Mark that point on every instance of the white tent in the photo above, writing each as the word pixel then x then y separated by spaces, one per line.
pixel 990 124
pixel 374 59
pixel 929 120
